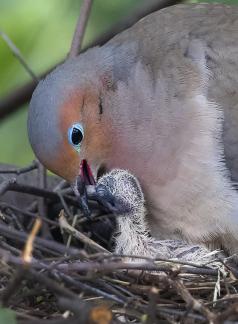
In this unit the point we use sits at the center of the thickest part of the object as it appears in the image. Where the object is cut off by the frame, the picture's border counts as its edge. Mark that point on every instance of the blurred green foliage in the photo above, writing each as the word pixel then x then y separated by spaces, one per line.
pixel 7 316
pixel 43 30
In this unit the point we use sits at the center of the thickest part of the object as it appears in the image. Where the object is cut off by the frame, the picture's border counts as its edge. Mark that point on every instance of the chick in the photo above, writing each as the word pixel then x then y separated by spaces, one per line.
pixel 132 236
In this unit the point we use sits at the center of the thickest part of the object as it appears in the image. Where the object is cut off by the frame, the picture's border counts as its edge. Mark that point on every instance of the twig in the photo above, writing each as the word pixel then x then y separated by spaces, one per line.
pixel 42 209
pixel 18 55
pixel 13 286
pixel 80 28
pixel 32 190
pixel 86 312
pixel 19 171
pixel 191 302
pixel 6 185
pixel 230 311
pixel 64 204
pixel 21 272
pixel 80 236
pixel 6 231
pixel 4 206
pixel 108 267
pixel 151 313
pixel 74 221
pixel 88 289
pixel 27 252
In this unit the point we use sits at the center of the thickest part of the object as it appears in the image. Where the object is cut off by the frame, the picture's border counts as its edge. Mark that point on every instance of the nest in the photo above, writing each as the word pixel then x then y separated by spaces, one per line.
pixel 57 267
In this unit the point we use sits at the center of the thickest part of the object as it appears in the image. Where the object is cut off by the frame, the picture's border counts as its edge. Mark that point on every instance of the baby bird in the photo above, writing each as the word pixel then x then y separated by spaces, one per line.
pixel 133 237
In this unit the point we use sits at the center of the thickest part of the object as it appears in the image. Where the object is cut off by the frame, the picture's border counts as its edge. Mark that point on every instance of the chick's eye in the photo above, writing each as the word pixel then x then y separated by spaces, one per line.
pixel 75 135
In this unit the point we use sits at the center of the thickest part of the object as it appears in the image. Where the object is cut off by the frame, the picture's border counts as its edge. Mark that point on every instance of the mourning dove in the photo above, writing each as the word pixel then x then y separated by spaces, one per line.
pixel 160 100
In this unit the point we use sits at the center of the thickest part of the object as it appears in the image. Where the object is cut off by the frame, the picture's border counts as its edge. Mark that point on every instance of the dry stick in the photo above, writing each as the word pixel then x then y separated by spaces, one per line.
pixel 64 204
pixel 21 95
pixel 89 289
pixel 12 185
pixel 151 310
pixel 108 267
pixel 27 253
pixel 80 28
pixel 12 286
pixel 61 186
pixel 75 284
pixel 80 236
pixel 10 248
pixel 4 206
pixel 85 310
pixel 74 221
pixel 9 258
pixel 8 232
pixel 185 296
pixel 42 184
pixel 42 209
pixel 70 320
pixel 99 314
pixel 52 285
pixel 19 171
pixel 17 222
pixel 191 302
pixel 228 312
pixel 6 185
pixel 176 312
pixel 39 265
pixel 21 272
pixel 96 267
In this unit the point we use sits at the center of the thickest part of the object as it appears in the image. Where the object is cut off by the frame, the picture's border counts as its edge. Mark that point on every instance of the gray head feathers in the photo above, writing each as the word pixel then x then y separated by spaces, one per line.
pixel 86 70
pixel 51 93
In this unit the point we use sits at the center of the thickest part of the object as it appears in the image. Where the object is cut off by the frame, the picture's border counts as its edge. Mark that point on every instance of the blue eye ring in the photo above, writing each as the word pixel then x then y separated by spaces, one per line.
pixel 76 135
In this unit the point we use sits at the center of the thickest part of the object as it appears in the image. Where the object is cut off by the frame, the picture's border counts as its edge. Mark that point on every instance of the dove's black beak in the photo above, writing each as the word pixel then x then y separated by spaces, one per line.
pixel 84 179
pixel 86 173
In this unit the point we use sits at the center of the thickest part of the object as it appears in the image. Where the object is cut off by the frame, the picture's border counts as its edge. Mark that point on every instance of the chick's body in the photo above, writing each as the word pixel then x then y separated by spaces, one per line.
pixel 160 100
pixel 132 237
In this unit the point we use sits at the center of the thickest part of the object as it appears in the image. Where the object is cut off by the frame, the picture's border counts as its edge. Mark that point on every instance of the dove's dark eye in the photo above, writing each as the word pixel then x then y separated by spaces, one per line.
pixel 75 135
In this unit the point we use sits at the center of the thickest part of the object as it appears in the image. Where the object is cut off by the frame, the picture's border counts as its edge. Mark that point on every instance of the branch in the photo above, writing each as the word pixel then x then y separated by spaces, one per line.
pixel 41 243
pixel 80 28
pixel 22 95
pixel 18 55
pixel 78 235
pixel 18 171
pixel 190 300
pixel 12 185
pixel 108 267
